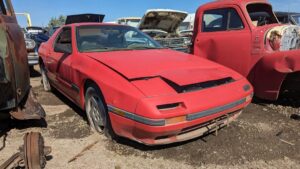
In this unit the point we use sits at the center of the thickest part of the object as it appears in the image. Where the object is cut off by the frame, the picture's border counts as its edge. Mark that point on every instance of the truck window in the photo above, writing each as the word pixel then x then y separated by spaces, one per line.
pixel 235 21
pixel 221 20
pixel 261 14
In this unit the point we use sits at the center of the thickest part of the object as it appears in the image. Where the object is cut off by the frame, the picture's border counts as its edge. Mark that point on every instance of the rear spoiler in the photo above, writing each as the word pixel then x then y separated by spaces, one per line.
pixel 80 18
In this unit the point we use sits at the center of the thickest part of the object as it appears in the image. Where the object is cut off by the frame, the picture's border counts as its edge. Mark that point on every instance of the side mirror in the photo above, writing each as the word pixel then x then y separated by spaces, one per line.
pixel 63 48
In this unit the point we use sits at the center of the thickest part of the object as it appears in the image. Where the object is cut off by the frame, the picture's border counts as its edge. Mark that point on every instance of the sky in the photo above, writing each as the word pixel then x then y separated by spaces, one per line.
pixel 41 11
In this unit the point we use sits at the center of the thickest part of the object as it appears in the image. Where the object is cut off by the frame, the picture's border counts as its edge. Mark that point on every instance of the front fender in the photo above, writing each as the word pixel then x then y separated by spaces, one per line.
pixel 271 71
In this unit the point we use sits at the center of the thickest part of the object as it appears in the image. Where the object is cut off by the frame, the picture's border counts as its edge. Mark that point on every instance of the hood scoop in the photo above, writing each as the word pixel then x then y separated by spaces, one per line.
pixel 198 86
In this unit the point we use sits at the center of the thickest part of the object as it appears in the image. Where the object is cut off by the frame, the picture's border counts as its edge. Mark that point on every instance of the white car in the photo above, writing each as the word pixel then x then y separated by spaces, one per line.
pixel 162 25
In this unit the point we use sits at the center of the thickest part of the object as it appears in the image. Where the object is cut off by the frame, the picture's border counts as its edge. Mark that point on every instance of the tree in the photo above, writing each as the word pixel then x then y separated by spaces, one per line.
pixel 54 22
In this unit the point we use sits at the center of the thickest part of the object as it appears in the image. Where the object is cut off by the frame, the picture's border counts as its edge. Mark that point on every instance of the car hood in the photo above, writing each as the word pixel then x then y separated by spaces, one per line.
pixel 180 68
pixel 162 19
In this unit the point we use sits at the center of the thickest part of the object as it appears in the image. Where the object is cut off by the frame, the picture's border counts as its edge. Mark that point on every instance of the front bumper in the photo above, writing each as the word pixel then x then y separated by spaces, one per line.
pixel 198 130
pixel 180 116
pixel 184 124
pixel 33 58
pixel 152 136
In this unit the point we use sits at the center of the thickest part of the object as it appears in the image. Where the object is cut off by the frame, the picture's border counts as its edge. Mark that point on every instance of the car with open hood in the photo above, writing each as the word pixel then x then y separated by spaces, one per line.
pixel 34 36
pixel 162 25
pixel 246 36
pixel 186 28
pixel 131 86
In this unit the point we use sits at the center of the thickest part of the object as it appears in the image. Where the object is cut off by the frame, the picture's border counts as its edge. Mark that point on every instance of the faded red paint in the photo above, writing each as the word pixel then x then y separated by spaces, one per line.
pixel 245 51
pixel 133 81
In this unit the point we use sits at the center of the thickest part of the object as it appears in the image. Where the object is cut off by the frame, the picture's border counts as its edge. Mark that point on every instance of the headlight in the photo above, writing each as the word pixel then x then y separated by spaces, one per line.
pixel 30 44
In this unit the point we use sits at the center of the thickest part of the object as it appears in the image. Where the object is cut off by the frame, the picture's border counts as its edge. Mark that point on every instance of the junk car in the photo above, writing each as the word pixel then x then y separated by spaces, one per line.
pixel 17 99
pixel 246 36
pixel 162 25
pixel 34 36
pixel 131 86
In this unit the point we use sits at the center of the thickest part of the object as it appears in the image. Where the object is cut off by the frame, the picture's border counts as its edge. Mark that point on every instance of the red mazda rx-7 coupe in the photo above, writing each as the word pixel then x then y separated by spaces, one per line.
pixel 130 86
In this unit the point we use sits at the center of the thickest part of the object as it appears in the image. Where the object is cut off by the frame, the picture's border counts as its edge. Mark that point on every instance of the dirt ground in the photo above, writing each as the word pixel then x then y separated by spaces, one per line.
pixel 263 137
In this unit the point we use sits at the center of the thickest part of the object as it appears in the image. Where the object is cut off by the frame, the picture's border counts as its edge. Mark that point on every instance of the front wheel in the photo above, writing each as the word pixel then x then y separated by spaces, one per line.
pixel 45 80
pixel 97 113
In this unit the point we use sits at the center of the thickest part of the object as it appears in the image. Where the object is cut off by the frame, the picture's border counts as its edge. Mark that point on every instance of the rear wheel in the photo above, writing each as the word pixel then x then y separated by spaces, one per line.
pixel 45 80
pixel 97 112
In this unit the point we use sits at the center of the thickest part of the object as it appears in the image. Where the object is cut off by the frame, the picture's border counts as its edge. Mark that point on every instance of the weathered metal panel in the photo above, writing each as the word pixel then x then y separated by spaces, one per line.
pixel 14 82
pixel 7 99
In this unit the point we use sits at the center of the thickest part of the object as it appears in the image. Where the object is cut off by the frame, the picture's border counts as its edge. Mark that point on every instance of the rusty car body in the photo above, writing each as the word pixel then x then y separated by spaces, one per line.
pixel 246 36
pixel 16 98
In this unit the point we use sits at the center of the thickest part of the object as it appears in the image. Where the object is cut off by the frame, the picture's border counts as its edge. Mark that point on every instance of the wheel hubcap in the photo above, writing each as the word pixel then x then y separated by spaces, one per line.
pixel 96 115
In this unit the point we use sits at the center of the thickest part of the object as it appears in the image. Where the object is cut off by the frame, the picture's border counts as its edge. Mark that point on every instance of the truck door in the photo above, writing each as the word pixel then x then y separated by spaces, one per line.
pixel 224 37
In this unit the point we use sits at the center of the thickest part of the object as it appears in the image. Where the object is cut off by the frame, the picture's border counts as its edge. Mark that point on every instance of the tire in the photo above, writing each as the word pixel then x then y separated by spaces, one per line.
pixel 97 113
pixel 31 68
pixel 45 81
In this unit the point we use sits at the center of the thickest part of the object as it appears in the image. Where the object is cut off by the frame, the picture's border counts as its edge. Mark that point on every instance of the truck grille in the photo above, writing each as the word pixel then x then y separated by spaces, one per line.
pixel 172 42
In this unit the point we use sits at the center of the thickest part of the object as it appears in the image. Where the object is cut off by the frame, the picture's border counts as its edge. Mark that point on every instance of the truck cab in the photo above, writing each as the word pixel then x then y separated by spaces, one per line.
pixel 246 36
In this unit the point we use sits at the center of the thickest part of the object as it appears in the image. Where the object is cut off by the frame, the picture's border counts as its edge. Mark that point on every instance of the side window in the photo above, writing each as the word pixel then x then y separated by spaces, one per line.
pixel 214 20
pixel 64 40
pixel 221 20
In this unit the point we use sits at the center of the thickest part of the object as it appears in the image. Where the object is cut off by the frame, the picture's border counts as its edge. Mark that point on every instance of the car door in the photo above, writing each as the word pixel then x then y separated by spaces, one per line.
pixel 59 62
pixel 225 37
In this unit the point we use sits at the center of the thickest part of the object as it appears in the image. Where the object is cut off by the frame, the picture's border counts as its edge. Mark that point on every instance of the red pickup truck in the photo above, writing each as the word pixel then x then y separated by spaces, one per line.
pixel 246 36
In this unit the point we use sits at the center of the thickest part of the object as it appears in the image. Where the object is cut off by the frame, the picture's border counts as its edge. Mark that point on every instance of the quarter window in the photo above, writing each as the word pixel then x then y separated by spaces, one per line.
pixel 64 39
pixel 221 20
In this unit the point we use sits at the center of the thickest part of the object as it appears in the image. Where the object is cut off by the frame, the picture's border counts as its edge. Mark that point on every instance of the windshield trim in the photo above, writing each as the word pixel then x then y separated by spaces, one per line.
pixel 120 49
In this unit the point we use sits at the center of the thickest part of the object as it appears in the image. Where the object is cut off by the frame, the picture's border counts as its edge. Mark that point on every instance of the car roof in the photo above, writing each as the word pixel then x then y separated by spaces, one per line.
pixel 134 18
pixel 165 10
pixel 92 24
pixel 232 2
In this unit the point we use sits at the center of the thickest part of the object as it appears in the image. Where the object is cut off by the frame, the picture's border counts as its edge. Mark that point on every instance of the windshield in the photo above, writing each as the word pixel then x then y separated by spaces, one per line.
pixel 112 38
pixel 261 14
pixel 297 19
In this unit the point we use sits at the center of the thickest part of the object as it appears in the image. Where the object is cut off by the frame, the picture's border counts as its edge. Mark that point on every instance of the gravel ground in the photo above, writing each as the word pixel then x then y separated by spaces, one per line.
pixel 263 137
